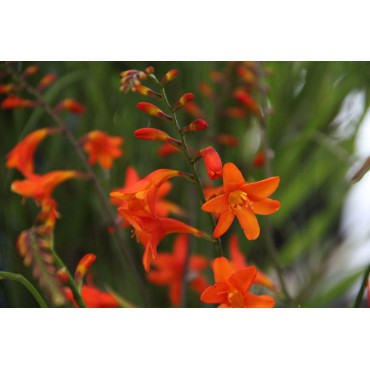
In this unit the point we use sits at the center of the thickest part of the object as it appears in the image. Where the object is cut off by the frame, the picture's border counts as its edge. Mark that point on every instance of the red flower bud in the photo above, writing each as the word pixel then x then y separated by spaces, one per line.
pixel 259 160
pixel 31 70
pixel 228 140
pixel 212 161
pixel 194 110
pixel 153 110
pixel 247 100
pixel 46 81
pixel 6 89
pixel 197 125
pixel 153 134
pixel 12 102
pixel 186 98
pixel 235 112
pixel 71 105
pixel 62 275
pixel 206 90
pixel 167 149
pixel 149 70
pixel 84 265
pixel 246 74
pixel 143 90
pixel 169 76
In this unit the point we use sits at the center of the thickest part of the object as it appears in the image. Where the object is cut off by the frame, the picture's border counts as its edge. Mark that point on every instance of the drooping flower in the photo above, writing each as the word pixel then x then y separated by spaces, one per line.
pixel 169 270
pixel 40 187
pixel 239 262
pixel 243 200
pixel 102 148
pixel 231 288
pixel 93 297
pixel 21 156
pixel 212 162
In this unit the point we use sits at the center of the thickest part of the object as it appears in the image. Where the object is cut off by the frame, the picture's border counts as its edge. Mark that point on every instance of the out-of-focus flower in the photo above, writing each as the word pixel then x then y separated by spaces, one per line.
pixel 169 270
pixel 247 100
pixel 239 262
pixel 243 200
pixel 235 112
pixel 259 159
pixel 93 297
pixel 217 77
pixel 206 90
pixel 169 76
pixel 227 140
pixel 194 110
pixel 102 148
pixel 153 110
pixel 7 89
pixel 167 149
pixel 40 187
pixel 246 74
pixel 21 156
pixel 212 161
pixel 132 78
pixel 231 287
pixel 31 70
pixel 13 102
pixel 46 81
pixel 70 105
pixel 185 99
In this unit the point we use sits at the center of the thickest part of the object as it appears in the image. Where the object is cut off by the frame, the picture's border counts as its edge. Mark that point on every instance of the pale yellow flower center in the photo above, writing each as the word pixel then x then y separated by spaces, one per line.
pixel 238 199
pixel 235 299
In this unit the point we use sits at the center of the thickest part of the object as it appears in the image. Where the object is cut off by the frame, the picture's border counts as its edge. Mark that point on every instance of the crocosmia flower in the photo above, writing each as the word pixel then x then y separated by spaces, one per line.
pixel 231 288
pixel 169 270
pixel 243 200
pixel 212 161
pixel 102 148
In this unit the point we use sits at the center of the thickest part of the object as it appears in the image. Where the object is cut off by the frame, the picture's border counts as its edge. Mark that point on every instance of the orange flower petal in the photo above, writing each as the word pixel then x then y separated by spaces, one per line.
pixel 232 177
pixel 237 258
pixel 259 301
pixel 222 269
pixel 224 222
pixel 216 205
pixel 215 294
pixel 175 293
pixel 248 222
pixel 243 279
pixel 261 189
pixel 266 206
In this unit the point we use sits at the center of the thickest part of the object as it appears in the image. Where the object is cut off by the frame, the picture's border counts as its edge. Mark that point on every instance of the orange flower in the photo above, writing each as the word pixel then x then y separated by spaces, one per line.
pixel 167 149
pixel 12 102
pixel 239 261
pixel 70 105
pixel 46 81
pixel 242 200
pixel 150 231
pixel 170 270
pixel 212 161
pixel 141 195
pixel 93 297
pixel 231 287
pixel 102 148
pixel 40 187
pixel 21 156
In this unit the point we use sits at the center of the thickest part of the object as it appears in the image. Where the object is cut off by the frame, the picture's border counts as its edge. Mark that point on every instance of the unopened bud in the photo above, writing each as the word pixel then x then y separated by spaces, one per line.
pixel 153 110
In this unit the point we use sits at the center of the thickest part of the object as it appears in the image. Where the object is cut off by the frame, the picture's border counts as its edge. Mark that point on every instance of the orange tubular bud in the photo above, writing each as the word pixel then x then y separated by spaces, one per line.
pixel 212 161
pixel 62 275
pixel 186 98
pixel 31 70
pixel 228 140
pixel 12 102
pixel 169 76
pixel 197 125
pixel 247 100
pixel 71 105
pixel 167 149
pixel 83 266
pixel 6 89
pixel 149 70
pixel 235 112
pixel 154 134
pixel 206 90
pixel 152 110
pixel 46 81
pixel 143 90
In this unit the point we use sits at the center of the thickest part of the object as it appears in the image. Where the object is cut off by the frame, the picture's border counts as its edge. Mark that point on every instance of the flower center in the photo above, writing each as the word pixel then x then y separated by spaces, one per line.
pixel 235 299
pixel 239 199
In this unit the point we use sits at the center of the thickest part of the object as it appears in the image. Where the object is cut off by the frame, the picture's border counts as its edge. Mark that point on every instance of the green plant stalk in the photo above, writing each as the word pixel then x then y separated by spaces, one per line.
pixel 22 280
pixel 270 244
pixel 362 288
pixel 190 160
pixel 99 190
pixel 76 294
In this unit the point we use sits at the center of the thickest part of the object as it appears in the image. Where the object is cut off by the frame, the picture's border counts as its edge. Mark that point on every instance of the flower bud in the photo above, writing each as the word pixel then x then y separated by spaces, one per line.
pixel 169 76
pixel 143 90
pixel 12 102
pixel 167 149
pixel 212 161
pixel 149 70
pixel 6 89
pixel 46 81
pixel 84 265
pixel 259 160
pixel 63 275
pixel 247 100
pixel 186 98
pixel 152 110
pixel 31 70
pixel 153 134
pixel 71 105
pixel 228 140
pixel 197 125
pixel 206 90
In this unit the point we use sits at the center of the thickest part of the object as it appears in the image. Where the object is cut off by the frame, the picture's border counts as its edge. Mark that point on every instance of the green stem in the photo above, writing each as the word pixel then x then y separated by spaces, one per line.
pixel 76 294
pixel 190 160
pixel 362 288
pixel 22 280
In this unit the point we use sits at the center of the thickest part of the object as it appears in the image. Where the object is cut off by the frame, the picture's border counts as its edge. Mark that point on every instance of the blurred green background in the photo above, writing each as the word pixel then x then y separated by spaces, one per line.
pixel 309 132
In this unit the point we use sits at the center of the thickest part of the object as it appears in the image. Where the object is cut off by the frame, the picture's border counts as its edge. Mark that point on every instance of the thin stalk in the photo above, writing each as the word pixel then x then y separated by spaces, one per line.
pixel 270 243
pixel 190 160
pixel 99 190
pixel 22 280
pixel 76 294
pixel 362 288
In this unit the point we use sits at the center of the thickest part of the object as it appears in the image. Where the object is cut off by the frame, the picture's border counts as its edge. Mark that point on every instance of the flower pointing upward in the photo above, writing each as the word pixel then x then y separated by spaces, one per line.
pixel 243 200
